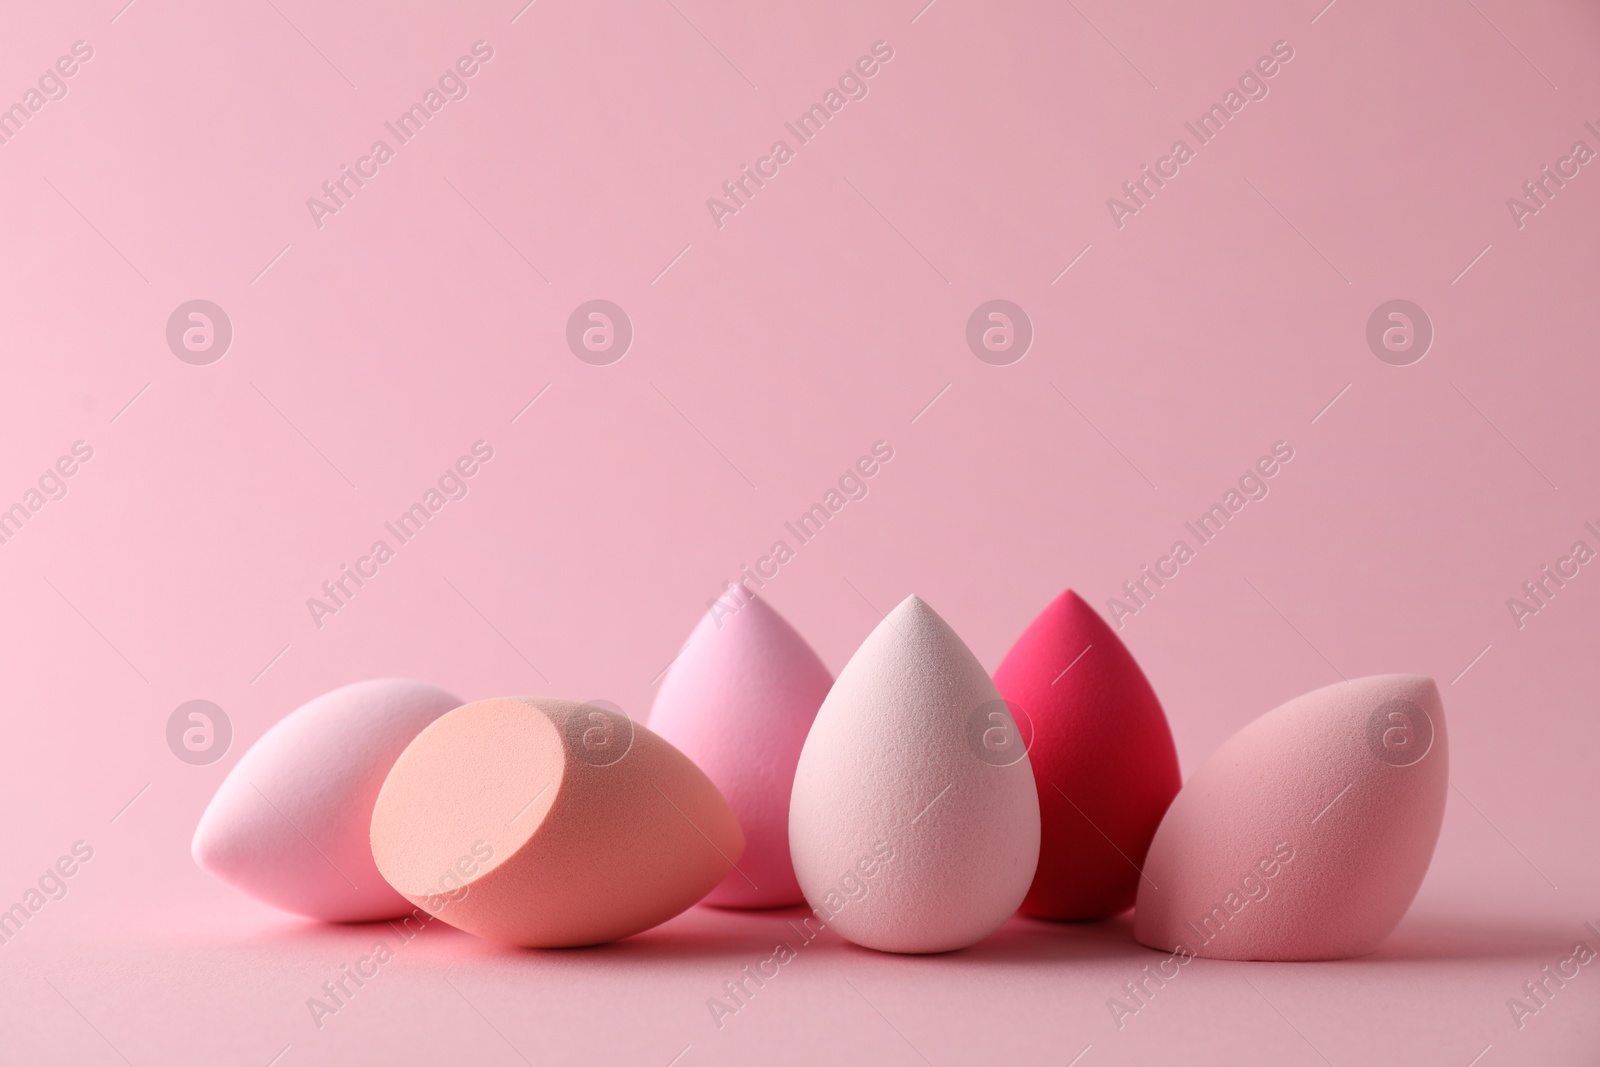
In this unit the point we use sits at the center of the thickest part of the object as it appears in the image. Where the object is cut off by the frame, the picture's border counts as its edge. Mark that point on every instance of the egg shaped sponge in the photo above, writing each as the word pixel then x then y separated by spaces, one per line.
pixel 289 823
pixel 739 701
pixel 546 823
pixel 1102 756
pixel 914 823
pixel 1307 834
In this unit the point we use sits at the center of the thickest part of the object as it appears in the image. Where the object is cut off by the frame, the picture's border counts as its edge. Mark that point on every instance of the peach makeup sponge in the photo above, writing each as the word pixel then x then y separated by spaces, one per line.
pixel 739 702
pixel 289 823
pixel 546 823
pixel 914 823
pixel 1102 756
pixel 1306 835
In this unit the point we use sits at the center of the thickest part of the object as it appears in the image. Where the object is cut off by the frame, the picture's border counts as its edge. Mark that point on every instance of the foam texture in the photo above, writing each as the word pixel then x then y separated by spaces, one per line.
pixel 914 823
pixel 1102 756
pixel 547 823
pixel 739 701
pixel 289 823
pixel 1306 835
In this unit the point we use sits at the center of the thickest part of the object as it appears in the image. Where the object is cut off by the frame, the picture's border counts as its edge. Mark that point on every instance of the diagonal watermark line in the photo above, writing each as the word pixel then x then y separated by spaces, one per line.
pixel 670 662
pixel 532 402
pixel 891 1025
pixel 685 1051
pixel 1074 263
pixel 1330 404
pixel 897 230
pixel 1080 1055
pixel 881 616
pixel 1482 1054
pixel 1471 665
pixel 1323 12
pixel 1103 437
pixel 1503 836
pixel 524 11
pixel 1332 802
pixel 96 629
pixel 930 403
pixel 702 833
pixel 274 659
pixel 1113 45
pixel 714 48
pixel 89 1024
pixel 314 48
pixel 529 804
pixel 1503 437
pixel 268 267
pixel 1071 665
pixel 129 404
pixel 923 12
pixel 302 834
pixel 1105 835
pixel 1285 1018
pixel 932 802
pixel 96 229
pixel 487 1023
pixel 1474 263
pixel 1513 44
pixel 303 437
pixel 703 437
pixel 124 8
pixel 280 1055
pixel 129 804
pixel 674 262
pixel 1295 628
pixel 496 629
pixel 1297 230
pixel 487 222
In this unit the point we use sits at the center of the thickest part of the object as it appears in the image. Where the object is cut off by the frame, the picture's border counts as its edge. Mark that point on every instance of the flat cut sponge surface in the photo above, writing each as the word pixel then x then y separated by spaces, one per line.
pixel 1307 834
pixel 739 701
pixel 914 823
pixel 1102 755
pixel 546 823
pixel 289 823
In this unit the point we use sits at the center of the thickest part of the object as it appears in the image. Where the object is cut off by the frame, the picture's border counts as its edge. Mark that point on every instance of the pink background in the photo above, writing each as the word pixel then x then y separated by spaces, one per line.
pixel 824 316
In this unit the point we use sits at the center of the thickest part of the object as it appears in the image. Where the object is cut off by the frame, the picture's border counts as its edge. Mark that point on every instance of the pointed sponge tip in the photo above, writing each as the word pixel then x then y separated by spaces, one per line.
pixel 1102 755
pixel 1307 834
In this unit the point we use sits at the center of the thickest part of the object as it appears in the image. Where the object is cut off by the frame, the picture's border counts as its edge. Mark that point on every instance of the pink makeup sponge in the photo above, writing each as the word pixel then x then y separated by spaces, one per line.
pixel 289 823
pixel 1102 756
pixel 739 702
pixel 1306 835
pixel 914 823
pixel 542 822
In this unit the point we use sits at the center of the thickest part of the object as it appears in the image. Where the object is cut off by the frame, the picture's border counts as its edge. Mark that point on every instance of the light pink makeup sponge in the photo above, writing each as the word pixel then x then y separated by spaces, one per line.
pixel 289 823
pixel 542 822
pixel 739 702
pixel 1306 835
pixel 1101 753
pixel 914 823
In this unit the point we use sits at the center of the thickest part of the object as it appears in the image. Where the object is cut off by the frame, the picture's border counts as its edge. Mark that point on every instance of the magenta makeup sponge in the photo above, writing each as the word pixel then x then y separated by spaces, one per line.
pixel 541 822
pixel 289 823
pixel 1306 835
pixel 1102 756
pixel 739 701
pixel 914 823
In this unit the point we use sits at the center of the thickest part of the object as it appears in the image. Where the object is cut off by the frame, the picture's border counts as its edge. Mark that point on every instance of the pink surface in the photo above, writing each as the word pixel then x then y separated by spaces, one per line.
pixel 368 356
pixel 739 701
pixel 1306 835
pixel 548 823
pixel 289 825
pixel 914 822
pixel 1102 757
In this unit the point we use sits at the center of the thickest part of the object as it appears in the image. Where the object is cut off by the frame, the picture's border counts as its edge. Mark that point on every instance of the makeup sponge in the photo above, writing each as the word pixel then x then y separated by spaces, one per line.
pixel 542 822
pixel 739 701
pixel 289 823
pixel 914 823
pixel 1306 835
pixel 1102 756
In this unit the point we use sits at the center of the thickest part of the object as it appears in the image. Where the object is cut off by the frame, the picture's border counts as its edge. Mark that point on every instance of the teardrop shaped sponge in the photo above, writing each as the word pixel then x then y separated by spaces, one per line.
pixel 914 823
pixel 289 823
pixel 1102 755
pixel 739 702
pixel 542 822
pixel 1307 834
